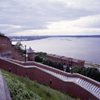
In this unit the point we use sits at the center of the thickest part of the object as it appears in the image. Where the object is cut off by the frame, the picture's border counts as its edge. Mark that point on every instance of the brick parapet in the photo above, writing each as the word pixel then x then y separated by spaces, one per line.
pixel 66 60
pixel 32 63
pixel 38 74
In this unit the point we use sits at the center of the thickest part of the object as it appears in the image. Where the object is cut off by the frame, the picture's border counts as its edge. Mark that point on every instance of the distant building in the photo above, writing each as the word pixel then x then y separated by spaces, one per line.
pixel 67 60
pixel 30 53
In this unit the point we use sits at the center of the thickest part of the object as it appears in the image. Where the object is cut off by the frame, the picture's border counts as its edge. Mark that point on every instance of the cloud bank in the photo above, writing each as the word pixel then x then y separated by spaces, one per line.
pixel 50 17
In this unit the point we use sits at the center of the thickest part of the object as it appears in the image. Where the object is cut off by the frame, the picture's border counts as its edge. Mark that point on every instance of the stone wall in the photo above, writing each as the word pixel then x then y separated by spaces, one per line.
pixel 35 72
pixel 67 60
pixel 17 55
pixel 7 54
pixel 5 44
pixel 8 50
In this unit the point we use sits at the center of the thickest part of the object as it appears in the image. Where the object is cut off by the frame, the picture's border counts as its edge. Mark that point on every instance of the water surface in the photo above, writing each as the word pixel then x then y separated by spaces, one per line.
pixel 87 49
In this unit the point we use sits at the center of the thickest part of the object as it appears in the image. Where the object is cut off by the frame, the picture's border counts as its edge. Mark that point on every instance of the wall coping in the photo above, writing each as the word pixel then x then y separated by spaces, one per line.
pixel 48 67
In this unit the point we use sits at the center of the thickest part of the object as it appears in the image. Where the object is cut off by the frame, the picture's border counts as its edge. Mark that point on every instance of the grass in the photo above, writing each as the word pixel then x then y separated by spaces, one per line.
pixel 24 89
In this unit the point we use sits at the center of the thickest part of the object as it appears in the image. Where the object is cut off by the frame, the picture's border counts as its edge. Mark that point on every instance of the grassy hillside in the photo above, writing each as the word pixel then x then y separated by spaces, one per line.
pixel 24 89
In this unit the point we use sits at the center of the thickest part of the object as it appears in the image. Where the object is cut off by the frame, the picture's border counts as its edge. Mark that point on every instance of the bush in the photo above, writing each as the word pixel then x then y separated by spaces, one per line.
pixel 67 69
pixel 27 89
pixel 1 34
pixel 18 90
pixel 19 47
pixel 38 58
pixel 59 65
pixel 49 62
pixel 89 72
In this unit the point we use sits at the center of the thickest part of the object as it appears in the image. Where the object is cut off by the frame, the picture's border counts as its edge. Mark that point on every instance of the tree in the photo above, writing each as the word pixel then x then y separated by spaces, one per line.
pixel 59 65
pixel 19 47
pixel 89 72
pixel 37 58
pixel 1 34
pixel 68 68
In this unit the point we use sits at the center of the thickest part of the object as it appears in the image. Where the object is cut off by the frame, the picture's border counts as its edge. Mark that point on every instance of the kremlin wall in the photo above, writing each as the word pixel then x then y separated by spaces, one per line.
pixel 8 50
pixel 75 84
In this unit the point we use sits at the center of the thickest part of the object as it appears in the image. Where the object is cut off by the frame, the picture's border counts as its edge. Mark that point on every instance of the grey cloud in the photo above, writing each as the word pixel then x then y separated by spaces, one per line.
pixel 35 14
pixel 94 25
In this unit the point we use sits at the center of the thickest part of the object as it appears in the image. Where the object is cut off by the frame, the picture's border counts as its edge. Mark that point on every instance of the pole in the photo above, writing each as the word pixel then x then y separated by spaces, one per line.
pixel 71 65
pixel 25 53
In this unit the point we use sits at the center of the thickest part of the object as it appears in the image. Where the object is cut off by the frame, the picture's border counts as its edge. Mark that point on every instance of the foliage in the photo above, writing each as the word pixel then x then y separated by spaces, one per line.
pixel 38 58
pixel 25 89
pixel 89 72
pixel 59 65
pixel 68 69
pixel 41 54
pixel 1 34
pixel 49 62
pixel 18 90
pixel 19 47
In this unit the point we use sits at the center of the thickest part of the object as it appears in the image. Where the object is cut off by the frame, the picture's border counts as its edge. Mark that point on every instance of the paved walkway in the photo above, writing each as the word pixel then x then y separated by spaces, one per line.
pixel 4 91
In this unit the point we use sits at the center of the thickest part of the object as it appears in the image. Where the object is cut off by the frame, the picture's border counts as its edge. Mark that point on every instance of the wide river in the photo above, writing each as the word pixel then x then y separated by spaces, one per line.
pixel 87 48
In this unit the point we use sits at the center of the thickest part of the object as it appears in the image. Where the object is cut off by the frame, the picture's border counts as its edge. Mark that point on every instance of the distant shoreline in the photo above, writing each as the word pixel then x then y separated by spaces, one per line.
pixel 92 64
pixel 30 38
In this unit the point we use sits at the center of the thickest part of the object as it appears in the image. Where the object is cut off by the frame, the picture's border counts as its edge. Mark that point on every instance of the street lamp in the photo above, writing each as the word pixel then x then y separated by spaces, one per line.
pixel 25 53
pixel 70 64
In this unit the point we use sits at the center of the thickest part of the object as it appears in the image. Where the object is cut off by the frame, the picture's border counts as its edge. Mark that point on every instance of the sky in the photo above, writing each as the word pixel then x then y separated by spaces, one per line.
pixel 49 17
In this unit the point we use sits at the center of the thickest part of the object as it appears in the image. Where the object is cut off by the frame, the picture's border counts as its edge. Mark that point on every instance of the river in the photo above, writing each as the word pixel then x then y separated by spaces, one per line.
pixel 83 48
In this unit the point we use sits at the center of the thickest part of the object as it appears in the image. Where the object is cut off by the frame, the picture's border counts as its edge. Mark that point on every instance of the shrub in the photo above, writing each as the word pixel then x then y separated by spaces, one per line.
pixel 18 90
pixel 89 72
pixel 67 69
pixel 59 65
pixel 38 58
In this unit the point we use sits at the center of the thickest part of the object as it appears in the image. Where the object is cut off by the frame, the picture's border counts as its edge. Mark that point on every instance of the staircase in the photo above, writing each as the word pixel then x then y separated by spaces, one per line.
pixel 83 83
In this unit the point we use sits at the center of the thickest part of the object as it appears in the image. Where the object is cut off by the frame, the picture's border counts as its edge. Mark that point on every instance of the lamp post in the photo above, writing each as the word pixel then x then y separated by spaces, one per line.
pixel 71 62
pixel 70 65
pixel 25 53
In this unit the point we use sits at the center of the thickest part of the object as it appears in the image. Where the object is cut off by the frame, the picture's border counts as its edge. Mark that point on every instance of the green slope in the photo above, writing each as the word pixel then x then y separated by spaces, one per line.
pixel 24 89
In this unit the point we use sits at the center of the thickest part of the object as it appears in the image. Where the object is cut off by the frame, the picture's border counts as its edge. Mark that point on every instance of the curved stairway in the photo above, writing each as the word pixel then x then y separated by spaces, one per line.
pixel 83 83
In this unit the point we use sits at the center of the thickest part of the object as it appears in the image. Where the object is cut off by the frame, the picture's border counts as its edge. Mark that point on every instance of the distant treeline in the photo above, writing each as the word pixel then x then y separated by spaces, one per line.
pixel 29 38
pixel 26 38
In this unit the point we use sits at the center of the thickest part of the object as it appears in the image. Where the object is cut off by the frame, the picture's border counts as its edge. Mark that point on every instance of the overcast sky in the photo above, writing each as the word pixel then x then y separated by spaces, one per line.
pixel 50 17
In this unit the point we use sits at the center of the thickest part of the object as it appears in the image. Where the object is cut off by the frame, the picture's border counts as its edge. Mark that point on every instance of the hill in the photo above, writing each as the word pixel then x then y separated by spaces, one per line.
pixel 24 89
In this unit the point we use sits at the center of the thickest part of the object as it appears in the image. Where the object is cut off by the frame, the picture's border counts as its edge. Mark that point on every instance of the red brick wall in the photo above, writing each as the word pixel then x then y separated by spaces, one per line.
pixel 78 63
pixel 52 69
pixel 5 46
pixel 31 56
pixel 16 54
pixel 42 77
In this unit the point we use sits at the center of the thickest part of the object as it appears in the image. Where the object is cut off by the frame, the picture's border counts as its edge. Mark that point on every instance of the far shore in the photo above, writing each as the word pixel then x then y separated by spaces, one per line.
pixel 92 64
